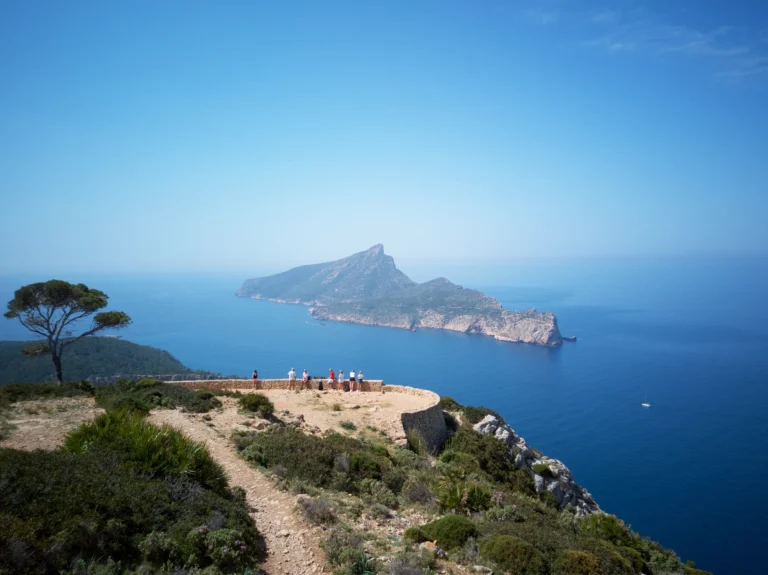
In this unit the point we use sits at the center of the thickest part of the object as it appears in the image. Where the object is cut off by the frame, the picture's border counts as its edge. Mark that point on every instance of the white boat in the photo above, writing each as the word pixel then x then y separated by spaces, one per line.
pixel 645 403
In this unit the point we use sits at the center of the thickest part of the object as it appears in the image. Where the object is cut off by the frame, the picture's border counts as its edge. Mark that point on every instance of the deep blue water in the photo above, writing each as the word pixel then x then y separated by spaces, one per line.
pixel 688 333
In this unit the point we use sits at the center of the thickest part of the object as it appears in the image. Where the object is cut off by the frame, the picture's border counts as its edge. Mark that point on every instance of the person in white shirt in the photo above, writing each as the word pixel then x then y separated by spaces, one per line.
pixel 341 380
pixel 291 378
pixel 352 380
pixel 305 379
pixel 360 380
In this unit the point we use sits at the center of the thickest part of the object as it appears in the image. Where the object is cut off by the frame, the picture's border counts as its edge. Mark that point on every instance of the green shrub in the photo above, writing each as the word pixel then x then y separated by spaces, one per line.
pixel 607 527
pixel 548 498
pixel 157 451
pixel 336 407
pixel 542 469
pixel 611 561
pixel 318 511
pixel 29 391
pixel 415 535
pixel 256 403
pixel 342 546
pixel 98 512
pixel 415 491
pixel 374 491
pixel 463 496
pixel 572 562
pixel 476 414
pixel 492 455
pixel 348 425
pixel 364 466
pixel 447 403
pixel 450 531
pixel 149 393
pixel 333 461
pixel 513 554
pixel 416 442
pixel 461 463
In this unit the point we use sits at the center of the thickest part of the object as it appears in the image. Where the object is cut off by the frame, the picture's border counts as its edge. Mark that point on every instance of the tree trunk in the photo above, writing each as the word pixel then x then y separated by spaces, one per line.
pixel 57 364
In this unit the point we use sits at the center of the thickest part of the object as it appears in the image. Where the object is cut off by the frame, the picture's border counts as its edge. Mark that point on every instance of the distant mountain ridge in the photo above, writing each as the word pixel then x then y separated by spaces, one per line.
pixel 367 288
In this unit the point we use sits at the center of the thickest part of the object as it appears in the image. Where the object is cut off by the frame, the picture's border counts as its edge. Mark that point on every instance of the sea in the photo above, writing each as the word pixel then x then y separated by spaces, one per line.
pixel 686 334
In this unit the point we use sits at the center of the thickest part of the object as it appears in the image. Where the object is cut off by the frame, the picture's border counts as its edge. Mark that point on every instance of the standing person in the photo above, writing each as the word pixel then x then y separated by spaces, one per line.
pixel 331 379
pixel 305 379
pixel 359 380
pixel 352 380
pixel 341 380
pixel 255 377
pixel 291 379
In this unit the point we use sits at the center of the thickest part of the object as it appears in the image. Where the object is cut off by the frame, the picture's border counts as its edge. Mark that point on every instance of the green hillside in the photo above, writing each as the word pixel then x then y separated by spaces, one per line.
pixel 92 356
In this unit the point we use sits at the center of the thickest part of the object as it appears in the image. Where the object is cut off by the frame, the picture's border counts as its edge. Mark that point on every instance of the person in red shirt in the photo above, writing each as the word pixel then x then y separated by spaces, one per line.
pixel 331 379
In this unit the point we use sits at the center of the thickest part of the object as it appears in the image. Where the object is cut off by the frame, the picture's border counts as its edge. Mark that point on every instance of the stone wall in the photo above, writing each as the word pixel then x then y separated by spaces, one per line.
pixel 368 385
pixel 427 421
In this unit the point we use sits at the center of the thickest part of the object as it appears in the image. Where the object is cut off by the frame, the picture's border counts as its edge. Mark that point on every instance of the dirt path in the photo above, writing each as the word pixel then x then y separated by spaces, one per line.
pixel 292 546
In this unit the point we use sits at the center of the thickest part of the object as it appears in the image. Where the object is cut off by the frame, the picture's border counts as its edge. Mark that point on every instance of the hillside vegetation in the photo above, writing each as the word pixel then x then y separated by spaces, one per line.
pixel 90 357
pixel 468 504
pixel 122 496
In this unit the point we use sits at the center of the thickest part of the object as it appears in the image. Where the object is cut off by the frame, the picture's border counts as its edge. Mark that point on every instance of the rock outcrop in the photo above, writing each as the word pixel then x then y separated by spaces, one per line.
pixel 367 288
pixel 548 474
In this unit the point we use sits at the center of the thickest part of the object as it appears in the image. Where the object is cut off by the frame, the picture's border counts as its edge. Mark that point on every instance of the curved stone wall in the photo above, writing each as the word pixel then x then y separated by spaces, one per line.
pixel 428 421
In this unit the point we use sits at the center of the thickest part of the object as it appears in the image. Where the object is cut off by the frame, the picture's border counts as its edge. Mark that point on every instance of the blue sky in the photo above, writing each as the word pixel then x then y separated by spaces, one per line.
pixel 201 136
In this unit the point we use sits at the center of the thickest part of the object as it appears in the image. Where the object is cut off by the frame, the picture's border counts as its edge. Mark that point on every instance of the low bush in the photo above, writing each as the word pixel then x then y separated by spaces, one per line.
pixel 448 532
pixel 416 442
pixel 342 546
pixel 364 466
pixel 462 496
pixel 447 403
pixel 492 455
pixel 149 393
pixel 256 403
pixel 29 391
pixel 333 461
pixel 318 511
pixel 607 527
pixel 476 414
pixel 415 491
pixel 156 451
pixel 513 554
pixel 412 563
pixel 99 511
pixel 572 562
pixel 348 425
pixel 377 492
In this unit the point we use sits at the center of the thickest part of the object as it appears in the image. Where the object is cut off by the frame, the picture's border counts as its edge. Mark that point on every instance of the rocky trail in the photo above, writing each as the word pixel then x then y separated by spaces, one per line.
pixel 292 546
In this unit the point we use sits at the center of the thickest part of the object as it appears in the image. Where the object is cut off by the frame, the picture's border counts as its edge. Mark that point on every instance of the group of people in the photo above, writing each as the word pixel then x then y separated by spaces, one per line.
pixel 354 383
pixel 355 380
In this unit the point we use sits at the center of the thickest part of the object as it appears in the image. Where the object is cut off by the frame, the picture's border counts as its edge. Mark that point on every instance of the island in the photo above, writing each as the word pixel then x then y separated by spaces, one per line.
pixel 367 288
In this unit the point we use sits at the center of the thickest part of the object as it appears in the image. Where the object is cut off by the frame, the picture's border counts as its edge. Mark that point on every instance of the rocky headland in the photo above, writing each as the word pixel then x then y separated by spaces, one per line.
pixel 367 288
pixel 549 475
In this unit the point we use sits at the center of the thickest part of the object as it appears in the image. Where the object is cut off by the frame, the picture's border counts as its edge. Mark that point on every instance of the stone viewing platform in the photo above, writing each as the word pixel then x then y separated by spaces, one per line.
pixel 393 409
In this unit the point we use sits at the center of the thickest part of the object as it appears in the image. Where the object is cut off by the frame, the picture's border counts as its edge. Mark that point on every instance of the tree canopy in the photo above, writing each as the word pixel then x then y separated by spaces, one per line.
pixel 50 308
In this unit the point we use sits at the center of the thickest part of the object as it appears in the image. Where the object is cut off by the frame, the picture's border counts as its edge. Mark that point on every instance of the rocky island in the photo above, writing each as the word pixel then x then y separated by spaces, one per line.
pixel 367 288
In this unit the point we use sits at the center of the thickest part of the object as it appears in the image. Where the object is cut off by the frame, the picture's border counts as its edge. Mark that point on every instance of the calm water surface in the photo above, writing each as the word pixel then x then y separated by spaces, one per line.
pixel 689 334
